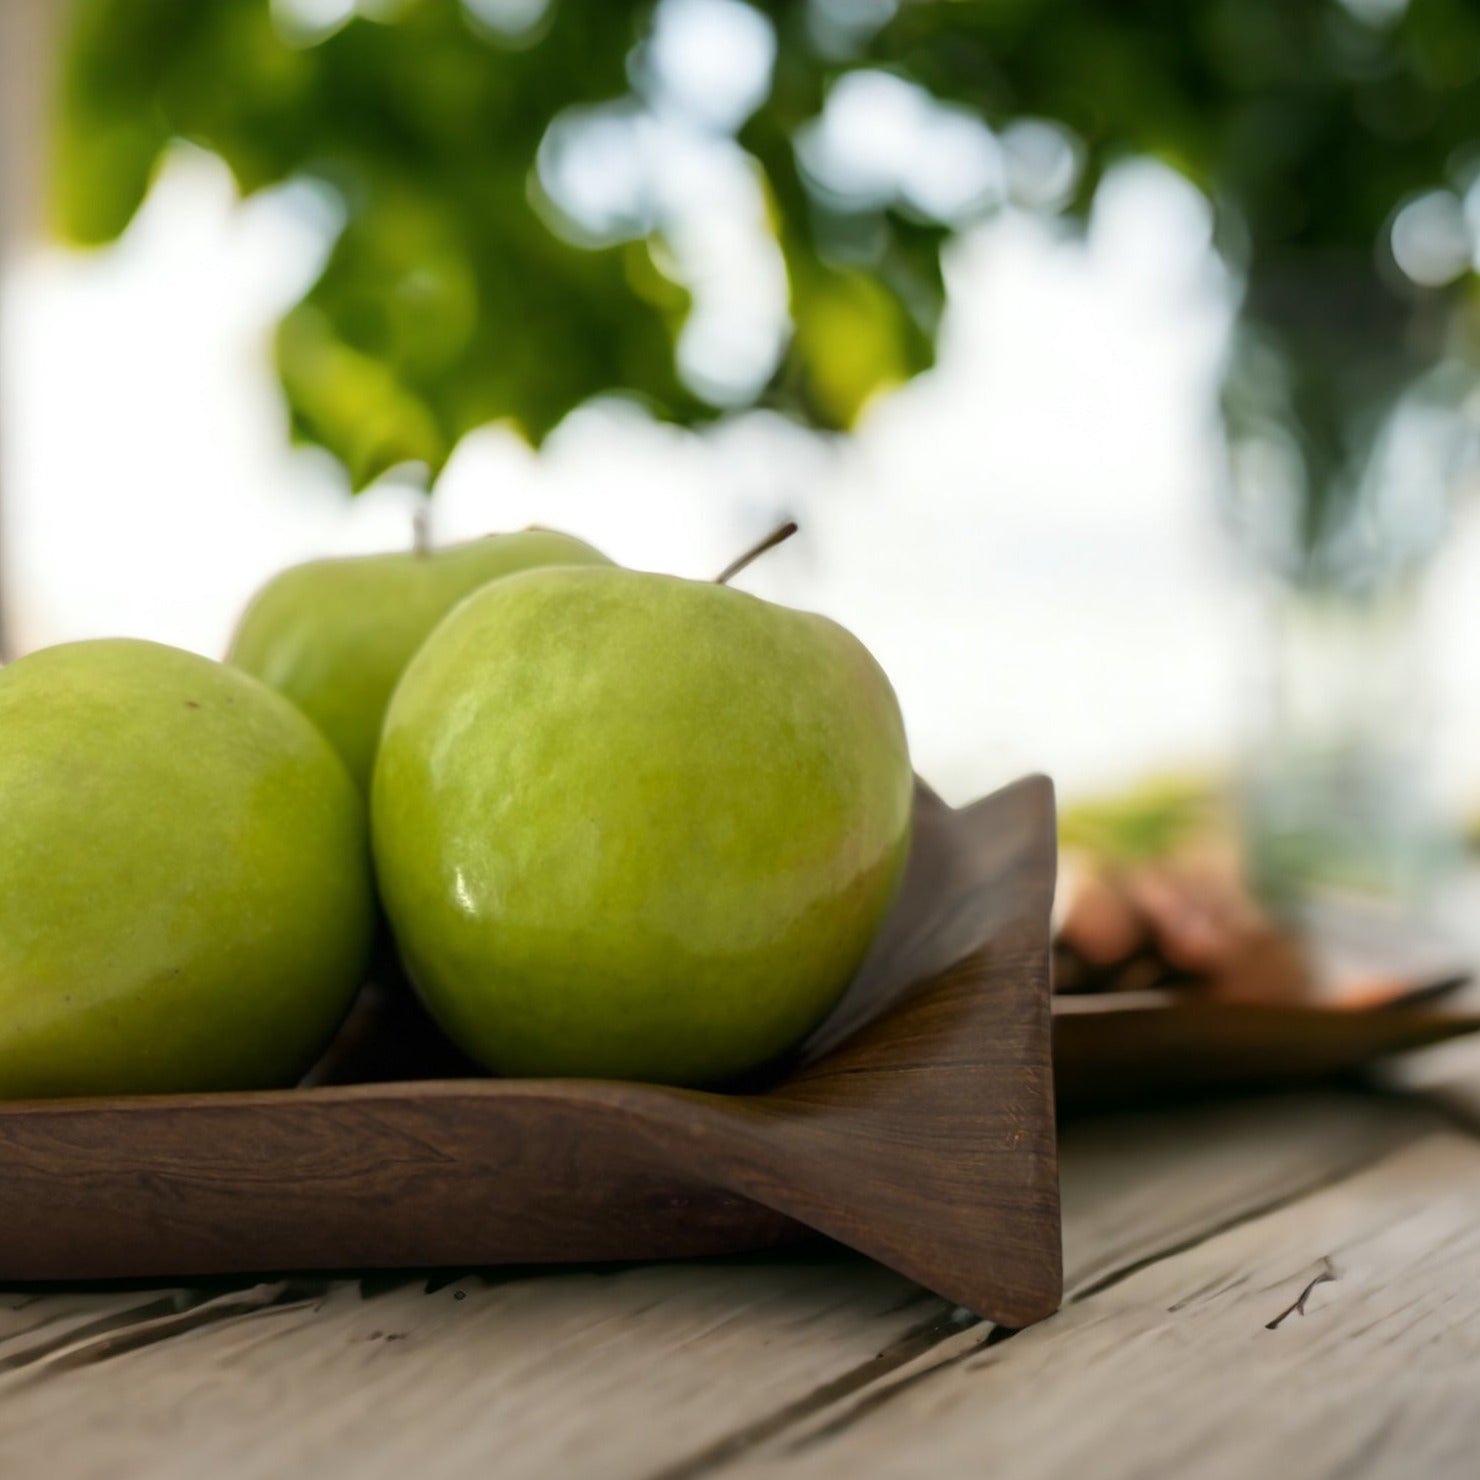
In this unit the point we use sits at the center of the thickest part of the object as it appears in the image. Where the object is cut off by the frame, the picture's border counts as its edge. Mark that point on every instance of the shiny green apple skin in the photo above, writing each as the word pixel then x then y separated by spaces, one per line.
pixel 637 827
pixel 185 891
pixel 335 635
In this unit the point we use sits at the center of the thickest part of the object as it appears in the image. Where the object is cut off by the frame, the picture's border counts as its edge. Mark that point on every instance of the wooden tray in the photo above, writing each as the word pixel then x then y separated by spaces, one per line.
pixel 1118 1049
pixel 916 1125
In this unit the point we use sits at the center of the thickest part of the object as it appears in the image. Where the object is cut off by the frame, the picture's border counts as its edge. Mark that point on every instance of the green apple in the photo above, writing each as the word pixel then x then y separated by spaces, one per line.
pixel 185 892
pixel 334 635
pixel 638 827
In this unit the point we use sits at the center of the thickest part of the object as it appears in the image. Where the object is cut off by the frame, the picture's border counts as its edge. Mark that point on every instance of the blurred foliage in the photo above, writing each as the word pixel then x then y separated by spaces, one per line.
pixel 449 300
pixel 1148 821
pixel 446 302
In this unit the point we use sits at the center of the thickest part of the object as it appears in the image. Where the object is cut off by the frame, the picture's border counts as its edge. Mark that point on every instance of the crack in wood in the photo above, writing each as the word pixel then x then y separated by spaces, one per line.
pixel 175 1302
pixel 158 1320
pixel 916 1342
pixel 972 1357
pixel 1326 1275
pixel 1214 1287
pixel 869 1402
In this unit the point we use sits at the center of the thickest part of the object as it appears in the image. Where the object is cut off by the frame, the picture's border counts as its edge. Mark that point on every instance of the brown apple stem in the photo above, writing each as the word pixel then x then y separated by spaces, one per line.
pixel 776 537
pixel 421 528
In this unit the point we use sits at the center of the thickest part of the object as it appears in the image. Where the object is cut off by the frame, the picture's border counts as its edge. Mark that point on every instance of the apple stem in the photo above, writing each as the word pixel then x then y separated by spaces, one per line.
pixel 776 537
pixel 421 528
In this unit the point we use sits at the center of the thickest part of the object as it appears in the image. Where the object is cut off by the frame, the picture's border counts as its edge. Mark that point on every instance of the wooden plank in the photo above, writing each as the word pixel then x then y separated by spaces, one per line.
pixel 533 1375
pixel 1204 1363
pixel 1447 1077
pixel 1137 1187
pixel 676 1368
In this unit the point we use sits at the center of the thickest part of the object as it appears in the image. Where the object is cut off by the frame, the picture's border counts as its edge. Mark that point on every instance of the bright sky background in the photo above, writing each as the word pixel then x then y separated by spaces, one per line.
pixel 1027 538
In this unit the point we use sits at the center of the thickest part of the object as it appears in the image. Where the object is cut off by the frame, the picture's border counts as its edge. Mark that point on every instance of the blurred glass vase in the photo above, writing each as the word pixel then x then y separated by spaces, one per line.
pixel 1337 781
pixel 1338 792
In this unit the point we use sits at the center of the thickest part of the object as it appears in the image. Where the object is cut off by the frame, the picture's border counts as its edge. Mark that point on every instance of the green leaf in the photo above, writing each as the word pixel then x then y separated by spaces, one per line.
pixel 450 300
pixel 352 403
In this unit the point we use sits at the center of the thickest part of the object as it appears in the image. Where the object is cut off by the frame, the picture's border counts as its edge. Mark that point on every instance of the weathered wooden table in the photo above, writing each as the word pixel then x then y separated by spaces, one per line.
pixel 1284 1286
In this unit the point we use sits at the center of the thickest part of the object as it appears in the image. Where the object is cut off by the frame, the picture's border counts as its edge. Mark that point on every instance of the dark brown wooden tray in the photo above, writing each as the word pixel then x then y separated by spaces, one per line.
pixel 916 1125
pixel 1117 1049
